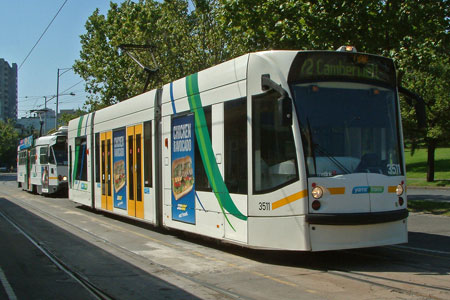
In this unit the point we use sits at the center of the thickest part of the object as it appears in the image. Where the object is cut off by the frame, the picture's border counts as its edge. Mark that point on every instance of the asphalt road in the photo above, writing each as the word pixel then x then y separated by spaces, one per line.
pixel 129 260
pixel 26 273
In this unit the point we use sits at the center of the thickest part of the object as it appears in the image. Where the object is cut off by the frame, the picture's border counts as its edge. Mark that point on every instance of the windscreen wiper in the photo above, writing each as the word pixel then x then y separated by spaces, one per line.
pixel 322 151
pixel 311 145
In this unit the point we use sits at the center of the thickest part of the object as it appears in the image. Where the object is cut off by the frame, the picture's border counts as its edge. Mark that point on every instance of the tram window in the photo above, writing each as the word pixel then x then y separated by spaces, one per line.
pixel 235 130
pixel 201 180
pixel 70 166
pixel 97 157
pixel 103 168
pixel 43 155
pixel 51 157
pixel 148 164
pixel 138 168
pixel 80 159
pixel 274 155
pixel 59 150
pixel 130 167
pixel 32 157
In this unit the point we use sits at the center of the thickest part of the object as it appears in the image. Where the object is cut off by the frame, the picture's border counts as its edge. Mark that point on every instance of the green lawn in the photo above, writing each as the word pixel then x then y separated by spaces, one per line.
pixel 416 167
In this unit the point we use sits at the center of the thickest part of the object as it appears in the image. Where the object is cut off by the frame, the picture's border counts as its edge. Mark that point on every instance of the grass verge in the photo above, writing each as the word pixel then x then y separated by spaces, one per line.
pixel 431 207
pixel 416 168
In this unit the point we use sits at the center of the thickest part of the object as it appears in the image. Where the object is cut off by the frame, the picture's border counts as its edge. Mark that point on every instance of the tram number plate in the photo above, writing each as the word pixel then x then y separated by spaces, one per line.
pixel 264 205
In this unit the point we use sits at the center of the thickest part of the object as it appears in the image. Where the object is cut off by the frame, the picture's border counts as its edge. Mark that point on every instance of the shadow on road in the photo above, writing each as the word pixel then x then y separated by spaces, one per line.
pixel 116 277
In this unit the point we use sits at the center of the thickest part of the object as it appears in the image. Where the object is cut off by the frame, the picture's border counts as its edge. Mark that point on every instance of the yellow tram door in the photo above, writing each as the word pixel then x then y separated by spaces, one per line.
pixel 105 169
pixel 134 171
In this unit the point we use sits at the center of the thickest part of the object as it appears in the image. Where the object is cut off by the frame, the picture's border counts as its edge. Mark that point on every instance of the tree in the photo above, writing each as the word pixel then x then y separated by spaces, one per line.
pixel 66 117
pixel 189 36
pixel 8 143
pixel 431 78
pixel 414 33
pixel 185 40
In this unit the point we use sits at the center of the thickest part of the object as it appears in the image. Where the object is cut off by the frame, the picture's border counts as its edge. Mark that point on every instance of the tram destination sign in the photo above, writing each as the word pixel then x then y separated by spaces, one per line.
pixel 320 65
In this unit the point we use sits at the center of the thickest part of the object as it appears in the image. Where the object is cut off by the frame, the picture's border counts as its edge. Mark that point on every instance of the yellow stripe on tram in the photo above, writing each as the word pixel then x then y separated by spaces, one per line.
pixel 337 190
pixel 289 199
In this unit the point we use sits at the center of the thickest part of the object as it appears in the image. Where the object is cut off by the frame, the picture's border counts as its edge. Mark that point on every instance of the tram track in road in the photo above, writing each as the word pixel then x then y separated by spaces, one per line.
pixel 375 281
pixel 85 282
pixel 414 288
pixel 395 284
pixel 96 292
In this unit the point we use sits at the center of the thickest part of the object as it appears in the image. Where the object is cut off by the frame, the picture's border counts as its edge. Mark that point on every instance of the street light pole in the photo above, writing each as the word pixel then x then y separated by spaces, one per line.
pixel 57 101
pixel 57 94
pixel 45 116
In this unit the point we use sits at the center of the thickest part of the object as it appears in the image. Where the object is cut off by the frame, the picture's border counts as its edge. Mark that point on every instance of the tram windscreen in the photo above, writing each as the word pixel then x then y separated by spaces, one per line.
pixel 348 128
pixel 60 150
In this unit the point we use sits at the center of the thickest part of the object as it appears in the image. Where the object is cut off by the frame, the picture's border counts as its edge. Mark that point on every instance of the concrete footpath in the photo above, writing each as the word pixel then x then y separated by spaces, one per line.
pixel 430 194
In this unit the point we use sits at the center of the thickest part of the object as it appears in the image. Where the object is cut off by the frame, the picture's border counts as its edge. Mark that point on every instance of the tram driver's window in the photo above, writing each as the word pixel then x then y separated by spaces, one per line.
pixel 274 155
pixel 235 143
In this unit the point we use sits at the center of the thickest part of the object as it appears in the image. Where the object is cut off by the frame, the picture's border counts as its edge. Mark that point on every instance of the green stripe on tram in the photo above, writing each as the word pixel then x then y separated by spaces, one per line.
pixel 77 150
pixel 205 147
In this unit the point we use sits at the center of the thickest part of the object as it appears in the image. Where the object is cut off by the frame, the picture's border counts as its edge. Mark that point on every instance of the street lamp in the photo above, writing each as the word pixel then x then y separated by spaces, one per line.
pixel 57 93
pixel 40 112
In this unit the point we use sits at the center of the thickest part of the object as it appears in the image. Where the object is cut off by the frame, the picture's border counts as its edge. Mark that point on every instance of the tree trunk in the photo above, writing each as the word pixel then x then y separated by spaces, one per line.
pixel 430 160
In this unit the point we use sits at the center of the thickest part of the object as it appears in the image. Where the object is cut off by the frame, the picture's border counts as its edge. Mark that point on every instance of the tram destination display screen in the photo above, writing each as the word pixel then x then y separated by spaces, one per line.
pixel 326 65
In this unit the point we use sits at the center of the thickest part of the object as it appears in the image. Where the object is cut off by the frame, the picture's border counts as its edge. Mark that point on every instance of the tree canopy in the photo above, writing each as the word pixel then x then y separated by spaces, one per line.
pixel 188 36
pixel 8 143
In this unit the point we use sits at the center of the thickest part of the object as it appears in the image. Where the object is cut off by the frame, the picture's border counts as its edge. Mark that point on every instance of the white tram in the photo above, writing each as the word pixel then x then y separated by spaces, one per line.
pixel 296 150
pixel 42 163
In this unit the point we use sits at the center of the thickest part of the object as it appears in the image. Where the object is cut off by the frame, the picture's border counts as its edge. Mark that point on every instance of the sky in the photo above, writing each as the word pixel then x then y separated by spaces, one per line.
pixel 22 22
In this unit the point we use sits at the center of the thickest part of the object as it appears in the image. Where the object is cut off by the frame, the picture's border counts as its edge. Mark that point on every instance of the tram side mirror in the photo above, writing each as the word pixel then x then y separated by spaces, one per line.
pixel 284 102
pixel 415 100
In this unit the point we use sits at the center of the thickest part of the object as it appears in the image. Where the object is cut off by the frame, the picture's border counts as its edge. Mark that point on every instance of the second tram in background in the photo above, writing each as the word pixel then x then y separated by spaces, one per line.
pixel 42 163
pixel 298 150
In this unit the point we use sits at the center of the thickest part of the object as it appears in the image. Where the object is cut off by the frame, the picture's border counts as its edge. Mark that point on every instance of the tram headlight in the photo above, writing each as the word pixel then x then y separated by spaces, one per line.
pixel 399 190
pixel 64 178
pixel 317 192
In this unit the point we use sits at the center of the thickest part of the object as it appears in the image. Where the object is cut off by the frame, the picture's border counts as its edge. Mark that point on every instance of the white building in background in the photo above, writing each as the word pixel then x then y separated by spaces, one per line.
pixel 30 124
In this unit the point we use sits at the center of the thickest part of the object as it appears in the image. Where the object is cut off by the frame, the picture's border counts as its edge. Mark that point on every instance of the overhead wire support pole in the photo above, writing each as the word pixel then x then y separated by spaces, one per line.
pixel 57 94
pixel 127 48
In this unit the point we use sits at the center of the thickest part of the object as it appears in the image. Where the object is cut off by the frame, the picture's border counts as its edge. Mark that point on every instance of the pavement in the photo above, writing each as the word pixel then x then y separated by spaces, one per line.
pixel 430 194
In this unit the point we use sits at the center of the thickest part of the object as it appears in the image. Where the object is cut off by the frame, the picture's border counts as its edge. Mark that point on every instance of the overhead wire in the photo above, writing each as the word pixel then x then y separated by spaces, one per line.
pixel 48 26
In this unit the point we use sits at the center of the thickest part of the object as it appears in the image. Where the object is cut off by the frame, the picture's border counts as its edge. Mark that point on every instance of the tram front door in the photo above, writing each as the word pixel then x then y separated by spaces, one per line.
pixel 134 171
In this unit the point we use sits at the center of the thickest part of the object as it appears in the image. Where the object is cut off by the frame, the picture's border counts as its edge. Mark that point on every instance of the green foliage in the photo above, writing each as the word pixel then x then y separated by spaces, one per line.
pixel 65 118
pixel 8 143
pixel 189 36
pixel 416 165
pixel 185 41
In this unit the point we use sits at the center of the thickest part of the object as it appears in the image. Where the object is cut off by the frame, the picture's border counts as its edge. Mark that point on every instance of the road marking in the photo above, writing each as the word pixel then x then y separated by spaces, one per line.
pixel 7 286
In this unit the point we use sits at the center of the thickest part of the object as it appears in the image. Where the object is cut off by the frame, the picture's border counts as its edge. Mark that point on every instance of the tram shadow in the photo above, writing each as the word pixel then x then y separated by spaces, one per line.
pixel 414 256
pixel 395 258
pixel 113 276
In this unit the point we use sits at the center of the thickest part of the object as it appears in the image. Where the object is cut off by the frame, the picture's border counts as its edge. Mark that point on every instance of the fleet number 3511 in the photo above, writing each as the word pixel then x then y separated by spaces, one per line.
pixel 264 205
